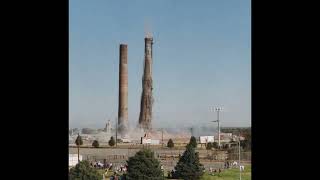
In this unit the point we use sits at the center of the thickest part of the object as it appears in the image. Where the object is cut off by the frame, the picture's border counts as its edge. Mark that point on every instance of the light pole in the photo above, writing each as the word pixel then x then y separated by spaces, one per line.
pixel 116 132
pixel 217 109
pixel 162 137
pixel 79 150
pixel 239 157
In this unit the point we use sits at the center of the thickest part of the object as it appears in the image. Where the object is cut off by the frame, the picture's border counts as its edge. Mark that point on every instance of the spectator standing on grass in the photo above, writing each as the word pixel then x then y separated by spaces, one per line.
pixel 241 168
pixel 115 176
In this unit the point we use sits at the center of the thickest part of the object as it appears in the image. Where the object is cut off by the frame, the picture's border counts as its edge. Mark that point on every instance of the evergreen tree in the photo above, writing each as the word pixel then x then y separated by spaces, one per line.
pixel 143 165
pixel 170 143
pixel 95 144
pixel 112 141
pixel 188 166
pixel 215 145
pixel 209 146
pixel 193 142
pixel 83 171
pixel 79 142
pixel 246 144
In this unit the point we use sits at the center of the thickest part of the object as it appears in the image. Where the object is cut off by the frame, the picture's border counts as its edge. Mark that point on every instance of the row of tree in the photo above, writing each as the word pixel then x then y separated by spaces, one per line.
pixel 95 143
pixel 209 145
pixel 112 142
pixel 245 144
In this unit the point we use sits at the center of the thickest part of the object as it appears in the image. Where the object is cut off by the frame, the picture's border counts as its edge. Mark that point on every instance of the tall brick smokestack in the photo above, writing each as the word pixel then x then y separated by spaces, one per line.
pixel 123 90
pixel 146 97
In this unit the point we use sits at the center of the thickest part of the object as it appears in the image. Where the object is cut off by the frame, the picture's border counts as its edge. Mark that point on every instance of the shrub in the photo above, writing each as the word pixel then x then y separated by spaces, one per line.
pixel 215 145
pixel 95 144
pixel 170 143
pixel 209 146
pixel 112 141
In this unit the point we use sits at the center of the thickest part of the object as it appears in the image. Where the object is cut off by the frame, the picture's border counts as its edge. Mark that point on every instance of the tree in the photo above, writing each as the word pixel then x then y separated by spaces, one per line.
pixel 193 142
pixel 143 165
pixel 95 144
pixel 112 142
pixel 209 146
pixel 83 171
pixel 215 145
pixel 79 142
pixel 225 146
pixel 188 166
pixel 170 143
pixel 246 143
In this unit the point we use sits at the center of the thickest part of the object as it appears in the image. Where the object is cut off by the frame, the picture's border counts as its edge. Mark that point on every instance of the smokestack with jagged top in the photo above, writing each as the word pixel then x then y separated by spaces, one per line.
pixel 145 116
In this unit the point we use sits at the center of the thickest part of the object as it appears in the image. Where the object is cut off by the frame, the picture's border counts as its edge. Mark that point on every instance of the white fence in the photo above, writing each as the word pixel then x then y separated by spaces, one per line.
pixel 73 159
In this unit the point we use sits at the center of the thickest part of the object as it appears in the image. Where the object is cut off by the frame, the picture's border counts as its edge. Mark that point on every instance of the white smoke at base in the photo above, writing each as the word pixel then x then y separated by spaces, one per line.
pixel 133 133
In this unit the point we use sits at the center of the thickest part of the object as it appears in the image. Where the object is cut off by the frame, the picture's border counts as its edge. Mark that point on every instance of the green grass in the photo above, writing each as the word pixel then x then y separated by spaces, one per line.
pixel 230 174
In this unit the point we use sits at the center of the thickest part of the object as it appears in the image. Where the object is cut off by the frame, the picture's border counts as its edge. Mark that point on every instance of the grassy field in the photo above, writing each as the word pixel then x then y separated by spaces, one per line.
pixel 230 174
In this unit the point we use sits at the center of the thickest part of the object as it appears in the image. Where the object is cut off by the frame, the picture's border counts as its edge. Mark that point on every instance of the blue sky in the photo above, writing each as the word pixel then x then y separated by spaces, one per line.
pixel 201 58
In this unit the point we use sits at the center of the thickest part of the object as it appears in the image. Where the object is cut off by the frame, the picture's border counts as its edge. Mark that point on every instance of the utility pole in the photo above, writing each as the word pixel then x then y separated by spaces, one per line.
pixel 218 109
pixel 162 136
pixel 78 150
pixel 239 156
pixel 116 133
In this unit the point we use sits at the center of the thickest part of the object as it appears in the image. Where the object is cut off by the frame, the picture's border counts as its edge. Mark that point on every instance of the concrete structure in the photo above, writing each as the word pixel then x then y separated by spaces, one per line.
pixel 123 90
pixel 147 140
pixel 206 139
pixel 145 116
pixel 150 141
